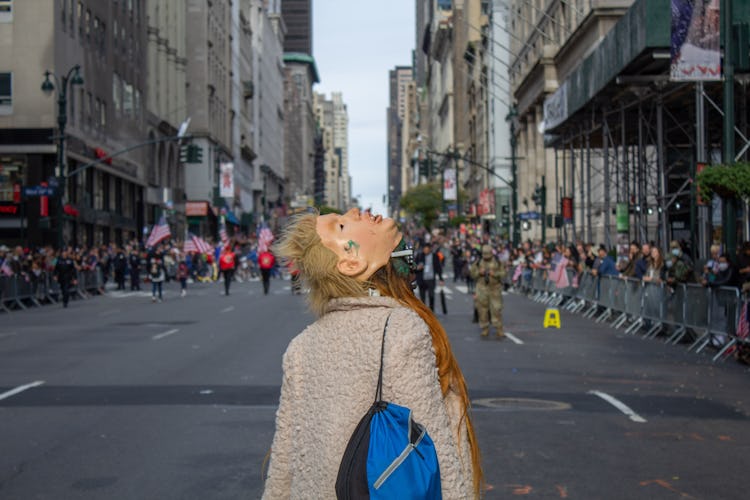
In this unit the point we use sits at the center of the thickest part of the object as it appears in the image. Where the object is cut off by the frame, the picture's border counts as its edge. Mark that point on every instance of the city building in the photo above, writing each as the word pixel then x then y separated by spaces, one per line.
pixel 298 18
pixel 209 92
pixel 305 181
pixel 269 116
pixel 332 118
pixel 398 78
pixel 103 112
pixel 166 111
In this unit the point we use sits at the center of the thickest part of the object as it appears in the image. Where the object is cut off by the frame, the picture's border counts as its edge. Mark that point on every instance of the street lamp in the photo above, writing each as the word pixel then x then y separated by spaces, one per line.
pixel 73 77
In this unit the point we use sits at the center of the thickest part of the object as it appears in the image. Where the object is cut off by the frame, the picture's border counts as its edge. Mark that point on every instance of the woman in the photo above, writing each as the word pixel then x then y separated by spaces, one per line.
pixel 655 270
pixel 331 368
pixel 157 273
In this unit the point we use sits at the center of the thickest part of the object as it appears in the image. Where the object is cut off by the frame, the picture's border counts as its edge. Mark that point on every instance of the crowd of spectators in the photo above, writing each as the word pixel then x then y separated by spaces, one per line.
pixel 128 265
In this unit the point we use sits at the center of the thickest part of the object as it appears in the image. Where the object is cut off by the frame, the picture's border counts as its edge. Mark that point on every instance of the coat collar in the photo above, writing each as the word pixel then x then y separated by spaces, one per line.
pixel 353 303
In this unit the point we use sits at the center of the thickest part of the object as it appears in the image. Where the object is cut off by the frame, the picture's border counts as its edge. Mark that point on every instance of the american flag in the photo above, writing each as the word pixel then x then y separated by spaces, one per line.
pixel 196 244
pixel 743 328
pixel 223 232
pixel 5 268
pixel 159 232
pixel 265 238
pixel 559 274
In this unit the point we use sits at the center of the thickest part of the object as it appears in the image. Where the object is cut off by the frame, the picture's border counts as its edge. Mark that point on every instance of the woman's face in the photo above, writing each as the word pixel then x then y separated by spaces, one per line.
pixel 363 242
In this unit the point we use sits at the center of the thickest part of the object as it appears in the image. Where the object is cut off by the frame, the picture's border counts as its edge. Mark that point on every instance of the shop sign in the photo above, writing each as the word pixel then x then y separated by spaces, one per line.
pixel 196 208
pixel 8 209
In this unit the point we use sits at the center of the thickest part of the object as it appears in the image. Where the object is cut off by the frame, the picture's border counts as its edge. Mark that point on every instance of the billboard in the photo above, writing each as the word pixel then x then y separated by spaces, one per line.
pixel 695 50
pixel 450 190
pixel 226 180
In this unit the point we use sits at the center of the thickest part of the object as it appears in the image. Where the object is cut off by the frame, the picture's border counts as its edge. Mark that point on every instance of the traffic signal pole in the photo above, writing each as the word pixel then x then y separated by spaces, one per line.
pixel 730 211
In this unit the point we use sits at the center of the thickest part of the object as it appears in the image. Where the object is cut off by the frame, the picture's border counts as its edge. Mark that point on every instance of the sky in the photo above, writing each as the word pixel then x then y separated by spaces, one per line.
pixel 355 44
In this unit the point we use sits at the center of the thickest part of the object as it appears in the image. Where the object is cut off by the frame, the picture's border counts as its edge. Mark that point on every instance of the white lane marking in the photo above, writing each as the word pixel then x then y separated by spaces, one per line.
pixel 107 313
pixel 8 334
pixel 462 288
pixel 514 338
pixel 620 406
pixel 20 388
pixel 166 334
pixel 228 309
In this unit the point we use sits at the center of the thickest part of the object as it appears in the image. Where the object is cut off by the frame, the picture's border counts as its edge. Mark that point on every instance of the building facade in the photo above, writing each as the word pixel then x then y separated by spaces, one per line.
pixel 298 18
pixel 107 112
pixel 332 119
pixel 399 79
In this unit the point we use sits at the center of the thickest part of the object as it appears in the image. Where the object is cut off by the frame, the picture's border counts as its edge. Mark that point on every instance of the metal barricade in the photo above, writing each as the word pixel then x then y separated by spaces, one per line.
pixel 591 295
pixel 725 305
pixel 53 289
pixel 619 299
pixel 653 307
pixel 674 311
pixel 697 310
pixel 7 292
pixel 606 297
pixel 634 296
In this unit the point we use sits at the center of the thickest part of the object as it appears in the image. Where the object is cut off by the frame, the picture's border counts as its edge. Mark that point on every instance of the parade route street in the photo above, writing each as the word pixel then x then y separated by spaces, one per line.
pixel 120 398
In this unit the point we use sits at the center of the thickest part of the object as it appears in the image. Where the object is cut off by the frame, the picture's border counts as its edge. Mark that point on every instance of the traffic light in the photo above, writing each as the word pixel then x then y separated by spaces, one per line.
pixel 191 153
pixel 197 154
pixel 423 168
pixel 539 196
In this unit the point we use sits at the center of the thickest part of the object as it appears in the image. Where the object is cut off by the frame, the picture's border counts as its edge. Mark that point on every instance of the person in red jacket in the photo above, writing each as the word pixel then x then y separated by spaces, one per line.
pixel 226 265
pixel 266 261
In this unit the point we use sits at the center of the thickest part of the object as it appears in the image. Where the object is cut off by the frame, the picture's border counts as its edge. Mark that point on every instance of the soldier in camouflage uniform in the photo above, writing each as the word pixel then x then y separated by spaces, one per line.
pixel 488 274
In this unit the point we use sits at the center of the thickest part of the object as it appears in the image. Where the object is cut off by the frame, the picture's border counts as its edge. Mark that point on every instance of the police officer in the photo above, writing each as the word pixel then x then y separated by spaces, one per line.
pixel 135 269
pixel 65 274
pixel 120 265
pixel 489 274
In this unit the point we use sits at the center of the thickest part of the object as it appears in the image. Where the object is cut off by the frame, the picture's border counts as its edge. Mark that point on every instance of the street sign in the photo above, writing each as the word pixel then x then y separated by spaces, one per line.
pixel 38 191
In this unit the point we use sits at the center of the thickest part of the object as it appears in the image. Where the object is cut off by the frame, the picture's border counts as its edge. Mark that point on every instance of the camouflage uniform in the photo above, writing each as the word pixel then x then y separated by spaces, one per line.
pixel 489 274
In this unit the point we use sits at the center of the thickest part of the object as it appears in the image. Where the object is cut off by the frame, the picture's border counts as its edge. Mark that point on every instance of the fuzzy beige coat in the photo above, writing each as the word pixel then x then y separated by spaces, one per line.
pixel 330 377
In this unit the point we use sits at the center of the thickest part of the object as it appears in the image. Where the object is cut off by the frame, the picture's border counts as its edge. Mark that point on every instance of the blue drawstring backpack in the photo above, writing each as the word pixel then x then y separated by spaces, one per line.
pixel 389 455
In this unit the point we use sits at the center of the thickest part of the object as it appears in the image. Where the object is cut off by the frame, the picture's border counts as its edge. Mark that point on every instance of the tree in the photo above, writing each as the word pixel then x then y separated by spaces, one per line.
pixel 727 181
pixel 424 200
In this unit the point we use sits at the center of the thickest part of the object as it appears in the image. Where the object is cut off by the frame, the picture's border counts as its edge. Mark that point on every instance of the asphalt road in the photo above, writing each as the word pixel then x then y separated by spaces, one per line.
pixel 120 398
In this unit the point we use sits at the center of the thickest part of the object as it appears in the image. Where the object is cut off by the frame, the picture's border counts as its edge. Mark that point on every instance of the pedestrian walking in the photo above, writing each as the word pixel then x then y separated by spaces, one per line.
pixel 182 275
pixel 489 274
pixel 266 262
pixel 355 288
pixel 226 265
pixel 65 275
pixel 157 273
pixel 429 270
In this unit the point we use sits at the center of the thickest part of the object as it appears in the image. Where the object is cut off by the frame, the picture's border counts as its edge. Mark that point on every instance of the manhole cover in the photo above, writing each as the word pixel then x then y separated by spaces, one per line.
pixel 518 404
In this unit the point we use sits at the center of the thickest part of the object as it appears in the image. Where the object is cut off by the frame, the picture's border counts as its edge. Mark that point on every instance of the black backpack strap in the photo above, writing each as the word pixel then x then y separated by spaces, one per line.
pixel 379 390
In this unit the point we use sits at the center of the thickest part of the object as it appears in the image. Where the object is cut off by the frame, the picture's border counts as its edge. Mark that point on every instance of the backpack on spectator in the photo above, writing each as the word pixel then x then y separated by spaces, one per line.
pixel 388 455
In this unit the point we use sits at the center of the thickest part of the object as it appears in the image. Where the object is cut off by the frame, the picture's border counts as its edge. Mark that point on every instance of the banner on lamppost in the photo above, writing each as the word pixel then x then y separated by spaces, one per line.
pixel 226 186
pixel 695 50
pixel 622 218
pixel 450 190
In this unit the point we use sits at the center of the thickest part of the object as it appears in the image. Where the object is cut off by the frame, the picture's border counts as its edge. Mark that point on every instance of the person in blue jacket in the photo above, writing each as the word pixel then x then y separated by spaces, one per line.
pixel 607 265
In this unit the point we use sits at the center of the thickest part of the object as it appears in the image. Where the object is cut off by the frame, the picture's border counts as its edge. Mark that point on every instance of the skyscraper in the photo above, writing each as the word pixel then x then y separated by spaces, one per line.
pixel 297 16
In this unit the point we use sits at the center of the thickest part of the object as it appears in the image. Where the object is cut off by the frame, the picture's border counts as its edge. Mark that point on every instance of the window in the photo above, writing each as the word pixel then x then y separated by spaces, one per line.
pixel 89 109
pixel 70 16
pixel 6 93
pixel 88 25
pixel 127 100
pixel 11 174
pixel 6 11
pixel 103 115
pixel 79 17
pixel 97 111
pixel 116 93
